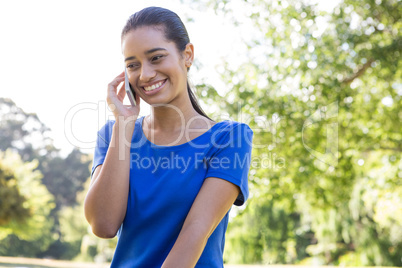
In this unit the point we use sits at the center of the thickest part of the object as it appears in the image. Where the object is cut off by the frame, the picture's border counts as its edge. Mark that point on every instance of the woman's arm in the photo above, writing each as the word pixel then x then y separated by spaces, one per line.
pixel 210 206
pixel 106 201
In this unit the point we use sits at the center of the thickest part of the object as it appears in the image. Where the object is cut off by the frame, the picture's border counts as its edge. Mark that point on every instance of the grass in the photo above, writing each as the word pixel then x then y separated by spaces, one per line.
pixel 45 263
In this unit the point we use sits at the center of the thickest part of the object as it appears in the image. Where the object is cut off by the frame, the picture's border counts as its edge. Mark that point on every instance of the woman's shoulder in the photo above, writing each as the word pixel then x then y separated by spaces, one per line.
pixel 232 130
pixel 232 124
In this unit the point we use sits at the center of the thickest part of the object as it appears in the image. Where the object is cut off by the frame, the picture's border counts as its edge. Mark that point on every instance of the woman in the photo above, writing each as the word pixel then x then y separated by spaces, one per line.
pixel 164 183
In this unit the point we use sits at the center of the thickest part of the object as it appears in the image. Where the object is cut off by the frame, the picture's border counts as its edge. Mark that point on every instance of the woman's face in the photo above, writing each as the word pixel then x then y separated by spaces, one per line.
pixel 157 71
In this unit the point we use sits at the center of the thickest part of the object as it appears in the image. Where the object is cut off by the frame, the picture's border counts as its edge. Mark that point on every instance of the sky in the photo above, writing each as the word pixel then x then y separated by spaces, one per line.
pixel 57 57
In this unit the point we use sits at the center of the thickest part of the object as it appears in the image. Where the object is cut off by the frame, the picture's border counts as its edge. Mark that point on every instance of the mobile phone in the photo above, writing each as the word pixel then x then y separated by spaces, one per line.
pixel 130 92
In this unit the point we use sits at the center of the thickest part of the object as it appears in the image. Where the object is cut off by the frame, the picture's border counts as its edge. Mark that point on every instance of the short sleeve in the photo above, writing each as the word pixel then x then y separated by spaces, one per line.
pixel 102 144
pixel 232 157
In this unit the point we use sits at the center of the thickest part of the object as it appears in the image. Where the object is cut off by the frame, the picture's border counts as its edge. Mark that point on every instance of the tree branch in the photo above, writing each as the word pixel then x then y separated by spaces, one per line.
pixel 358 73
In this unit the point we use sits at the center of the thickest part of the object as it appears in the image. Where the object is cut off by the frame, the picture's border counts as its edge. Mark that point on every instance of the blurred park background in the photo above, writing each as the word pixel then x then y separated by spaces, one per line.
pixel 319 83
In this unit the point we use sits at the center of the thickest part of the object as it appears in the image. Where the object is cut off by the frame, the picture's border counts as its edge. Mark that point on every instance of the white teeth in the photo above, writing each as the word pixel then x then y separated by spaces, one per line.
pixel 153 86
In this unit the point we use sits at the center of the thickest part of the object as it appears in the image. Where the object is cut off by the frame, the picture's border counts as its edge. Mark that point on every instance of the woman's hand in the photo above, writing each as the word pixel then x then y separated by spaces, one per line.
pixel 115 99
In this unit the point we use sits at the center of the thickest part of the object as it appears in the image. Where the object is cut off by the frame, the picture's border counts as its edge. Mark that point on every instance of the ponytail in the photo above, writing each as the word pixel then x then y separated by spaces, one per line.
pixel 195 103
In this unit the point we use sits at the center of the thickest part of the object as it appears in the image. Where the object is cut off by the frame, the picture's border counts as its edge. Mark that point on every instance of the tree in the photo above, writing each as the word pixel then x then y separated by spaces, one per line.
pixel 322 93
pixel 33 224
pixel 63 177
pixel 24 132
pixel 11 200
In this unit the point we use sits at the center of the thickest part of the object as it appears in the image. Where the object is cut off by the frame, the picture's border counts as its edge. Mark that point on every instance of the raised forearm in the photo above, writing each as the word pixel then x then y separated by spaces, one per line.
pixel 106 201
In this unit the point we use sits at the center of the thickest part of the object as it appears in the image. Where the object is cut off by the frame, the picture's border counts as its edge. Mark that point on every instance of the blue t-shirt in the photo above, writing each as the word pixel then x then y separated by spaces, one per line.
pixel 164 182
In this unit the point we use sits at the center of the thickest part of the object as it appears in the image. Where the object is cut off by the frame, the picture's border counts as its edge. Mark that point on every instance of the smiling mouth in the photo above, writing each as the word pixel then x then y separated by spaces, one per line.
pixel 155 86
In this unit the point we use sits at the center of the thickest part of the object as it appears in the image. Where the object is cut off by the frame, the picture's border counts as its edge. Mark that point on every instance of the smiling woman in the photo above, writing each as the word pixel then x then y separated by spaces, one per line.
pixel 155 67
pixel 173 31
pixel 164 183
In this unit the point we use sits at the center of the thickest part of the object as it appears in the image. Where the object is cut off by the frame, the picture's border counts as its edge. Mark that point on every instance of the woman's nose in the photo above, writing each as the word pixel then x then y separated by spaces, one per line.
pixel 147 73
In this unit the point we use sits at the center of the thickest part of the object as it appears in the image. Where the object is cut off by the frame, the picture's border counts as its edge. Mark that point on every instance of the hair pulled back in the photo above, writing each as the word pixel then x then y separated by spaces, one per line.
pixel 174 31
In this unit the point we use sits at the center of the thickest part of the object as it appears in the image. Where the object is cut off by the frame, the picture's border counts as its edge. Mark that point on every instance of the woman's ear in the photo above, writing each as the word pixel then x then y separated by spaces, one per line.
pixel 189 55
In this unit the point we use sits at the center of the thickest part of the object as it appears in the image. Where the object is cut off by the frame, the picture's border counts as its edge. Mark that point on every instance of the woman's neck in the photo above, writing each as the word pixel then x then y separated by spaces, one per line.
pixel 169 118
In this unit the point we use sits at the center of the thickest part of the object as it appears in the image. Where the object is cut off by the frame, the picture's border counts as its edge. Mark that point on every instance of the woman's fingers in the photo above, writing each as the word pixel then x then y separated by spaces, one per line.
pixel 122 92
pixel 115 96
pixel 112 87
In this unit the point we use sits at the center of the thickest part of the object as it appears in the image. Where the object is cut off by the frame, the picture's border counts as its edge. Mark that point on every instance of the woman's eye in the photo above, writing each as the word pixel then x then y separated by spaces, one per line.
pixel 132 65
pixel 157 57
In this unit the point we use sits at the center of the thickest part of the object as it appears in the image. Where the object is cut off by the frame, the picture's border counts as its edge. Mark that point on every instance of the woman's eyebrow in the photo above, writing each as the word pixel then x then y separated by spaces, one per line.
pixel 147 52
pixel 154 49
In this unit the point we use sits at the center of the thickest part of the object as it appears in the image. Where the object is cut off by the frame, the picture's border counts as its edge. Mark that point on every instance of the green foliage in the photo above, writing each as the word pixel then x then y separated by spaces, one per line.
pixel 322 93
pixel 36 199
pixel 65 177
pixel 11 200
pixel 30 223
pixel 26 134
pixel 264 234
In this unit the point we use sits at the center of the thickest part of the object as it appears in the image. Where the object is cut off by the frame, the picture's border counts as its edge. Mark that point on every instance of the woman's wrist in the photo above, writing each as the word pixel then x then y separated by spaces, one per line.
pixel 126 121
pixel 124 128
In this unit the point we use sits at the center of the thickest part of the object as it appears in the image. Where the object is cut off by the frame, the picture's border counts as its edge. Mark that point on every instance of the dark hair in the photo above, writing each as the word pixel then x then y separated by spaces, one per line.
pixel 174 31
